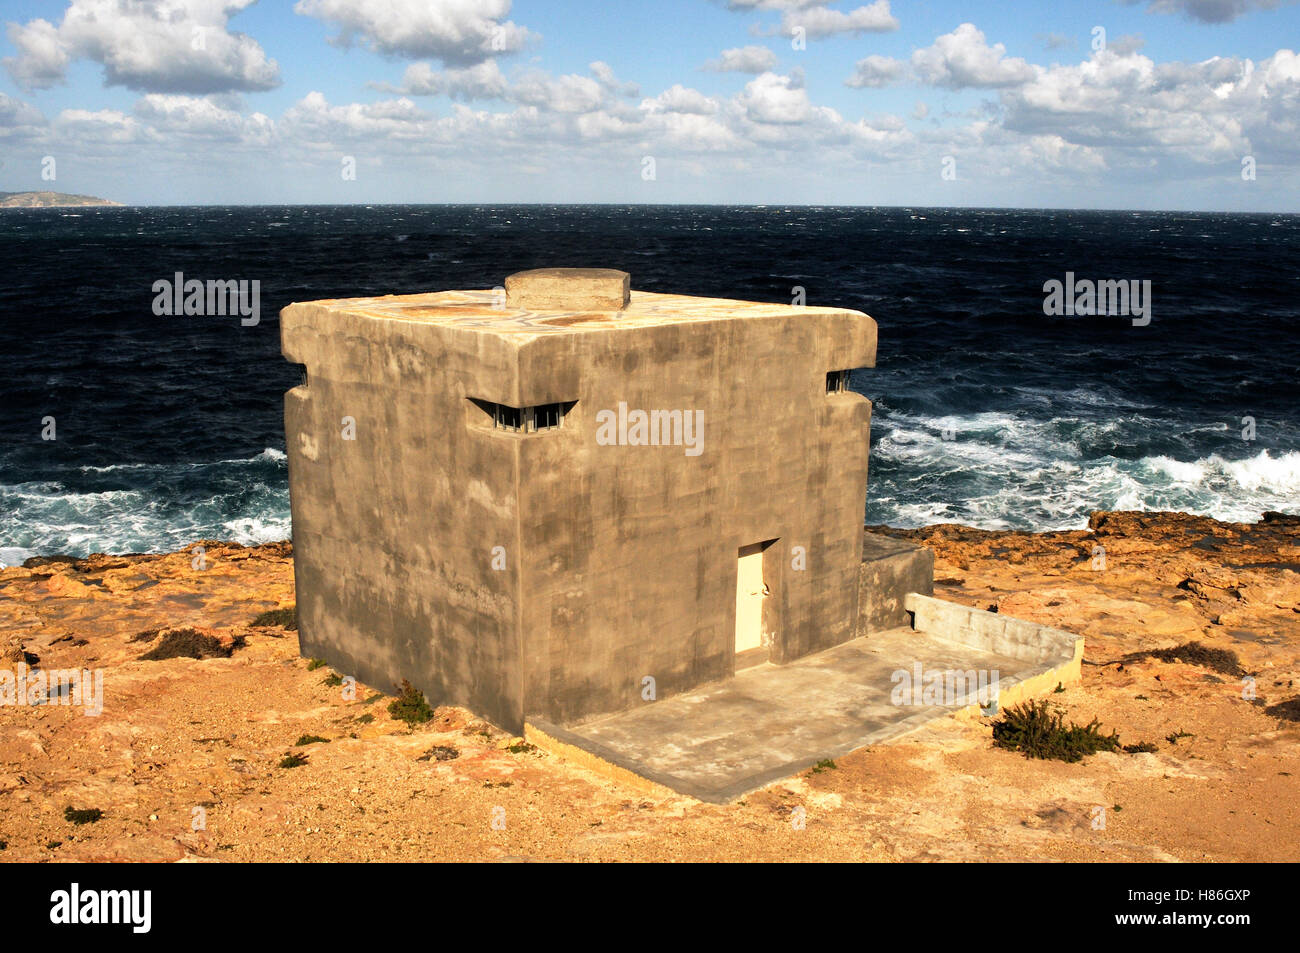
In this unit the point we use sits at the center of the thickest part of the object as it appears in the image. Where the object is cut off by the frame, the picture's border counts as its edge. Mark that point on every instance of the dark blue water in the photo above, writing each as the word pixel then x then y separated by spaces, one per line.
pixel 987 411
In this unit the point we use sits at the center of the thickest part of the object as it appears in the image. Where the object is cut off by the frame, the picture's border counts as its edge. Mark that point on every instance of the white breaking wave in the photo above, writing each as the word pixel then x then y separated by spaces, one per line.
pixel 1263 474
pixel 998 471
pixel 253 531
pixel 269 455
pixel 166 507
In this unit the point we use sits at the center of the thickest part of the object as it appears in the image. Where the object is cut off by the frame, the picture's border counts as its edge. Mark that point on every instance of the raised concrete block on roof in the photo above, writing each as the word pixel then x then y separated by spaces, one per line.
pixel 564 289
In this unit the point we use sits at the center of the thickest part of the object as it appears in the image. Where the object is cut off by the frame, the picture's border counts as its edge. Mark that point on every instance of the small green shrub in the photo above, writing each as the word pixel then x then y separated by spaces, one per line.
pixel 315 664
pixel 190 643
pixel 285 618
pixel 824 765
pixel 90 815
pixel 293 761
pixel 410 706
pixel 1039 732
pixel 310 740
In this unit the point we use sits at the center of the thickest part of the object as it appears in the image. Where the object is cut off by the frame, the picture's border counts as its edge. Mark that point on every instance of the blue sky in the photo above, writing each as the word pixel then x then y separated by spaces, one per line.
pixel 936 103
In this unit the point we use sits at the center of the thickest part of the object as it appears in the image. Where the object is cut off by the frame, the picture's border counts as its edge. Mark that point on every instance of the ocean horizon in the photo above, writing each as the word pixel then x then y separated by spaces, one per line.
pixel 910 207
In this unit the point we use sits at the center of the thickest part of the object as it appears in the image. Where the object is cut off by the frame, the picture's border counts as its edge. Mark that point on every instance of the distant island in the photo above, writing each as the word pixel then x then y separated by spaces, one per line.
pixel 49 200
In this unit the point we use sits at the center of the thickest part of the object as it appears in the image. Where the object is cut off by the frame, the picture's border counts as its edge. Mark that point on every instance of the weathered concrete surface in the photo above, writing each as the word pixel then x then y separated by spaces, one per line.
pixel 769 722
pixel 565 289
pixel 890 569
pixel 620 559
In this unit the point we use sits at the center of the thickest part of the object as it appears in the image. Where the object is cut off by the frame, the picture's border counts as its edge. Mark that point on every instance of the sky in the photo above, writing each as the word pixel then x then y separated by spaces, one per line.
pixel 1130 104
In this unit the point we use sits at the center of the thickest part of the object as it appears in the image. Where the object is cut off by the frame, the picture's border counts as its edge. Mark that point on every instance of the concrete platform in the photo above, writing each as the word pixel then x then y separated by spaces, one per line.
pixel 769 722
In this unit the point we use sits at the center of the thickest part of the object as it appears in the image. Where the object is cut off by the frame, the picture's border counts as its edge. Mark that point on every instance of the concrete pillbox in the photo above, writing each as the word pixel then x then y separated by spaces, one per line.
pixel 530 505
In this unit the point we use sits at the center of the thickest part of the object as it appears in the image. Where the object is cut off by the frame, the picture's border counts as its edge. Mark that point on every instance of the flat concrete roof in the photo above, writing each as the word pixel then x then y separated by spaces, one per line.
pixel 720 741
pixel 475 311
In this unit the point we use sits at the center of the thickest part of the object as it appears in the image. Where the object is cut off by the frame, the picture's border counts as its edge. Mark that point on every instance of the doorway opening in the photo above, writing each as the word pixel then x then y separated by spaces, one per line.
pixel 754 624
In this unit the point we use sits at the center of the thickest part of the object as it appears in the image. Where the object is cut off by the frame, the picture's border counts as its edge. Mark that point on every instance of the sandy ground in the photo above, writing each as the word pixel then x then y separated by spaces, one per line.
pixel 185 761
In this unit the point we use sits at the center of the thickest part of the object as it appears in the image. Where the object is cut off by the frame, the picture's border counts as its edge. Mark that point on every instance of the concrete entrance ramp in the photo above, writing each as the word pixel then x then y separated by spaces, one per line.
pixel 772 721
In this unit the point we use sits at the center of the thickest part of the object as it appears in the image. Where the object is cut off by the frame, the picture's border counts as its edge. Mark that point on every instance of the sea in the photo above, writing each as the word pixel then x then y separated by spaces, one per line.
pixel 124 430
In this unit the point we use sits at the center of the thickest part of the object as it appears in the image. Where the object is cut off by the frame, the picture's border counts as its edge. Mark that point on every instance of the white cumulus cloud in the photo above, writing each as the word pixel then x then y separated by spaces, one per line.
pixel 481 81
pixel 964 59
pixel 775 99
pixel 875 71
pixel 743 59
pixel 19 120
pixel 1213 111
pixel 207 118
pixel 164 46
pixel 680 99
pixel 818 22
pixel 458 32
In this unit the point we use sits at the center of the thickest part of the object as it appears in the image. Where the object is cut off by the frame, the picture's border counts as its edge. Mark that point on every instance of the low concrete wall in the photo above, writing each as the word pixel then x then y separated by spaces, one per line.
pixel 1060 653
